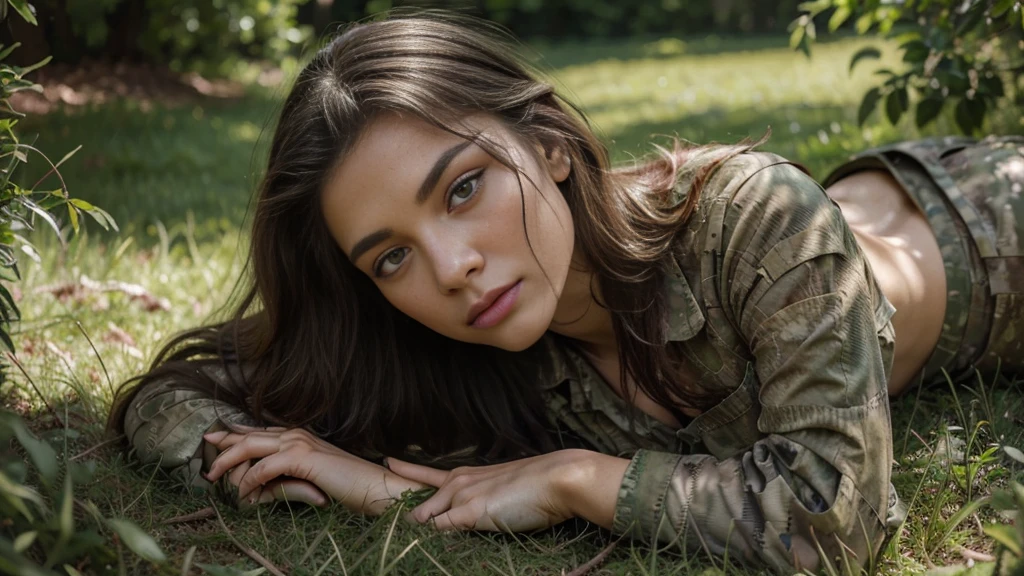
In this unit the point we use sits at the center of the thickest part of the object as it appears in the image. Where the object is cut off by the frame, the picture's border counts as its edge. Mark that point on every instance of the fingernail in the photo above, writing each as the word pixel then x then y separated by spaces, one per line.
pixel 386 463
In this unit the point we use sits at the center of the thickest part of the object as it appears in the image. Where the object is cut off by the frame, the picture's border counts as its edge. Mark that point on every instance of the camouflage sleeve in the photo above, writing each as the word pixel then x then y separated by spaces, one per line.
pixel 799 292
pixel 165 423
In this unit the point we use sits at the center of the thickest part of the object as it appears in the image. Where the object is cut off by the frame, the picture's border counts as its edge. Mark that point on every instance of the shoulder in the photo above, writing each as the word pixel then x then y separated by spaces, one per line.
pixel 757 199
pixel 749 175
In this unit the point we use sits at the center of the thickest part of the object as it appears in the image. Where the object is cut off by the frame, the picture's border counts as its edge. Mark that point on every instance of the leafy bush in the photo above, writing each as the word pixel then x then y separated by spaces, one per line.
pixel 957 51
pixel 204 35
pixel 21 207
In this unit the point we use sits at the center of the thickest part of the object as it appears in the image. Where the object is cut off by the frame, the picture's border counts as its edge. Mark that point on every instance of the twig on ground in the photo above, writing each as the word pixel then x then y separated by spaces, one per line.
pixel 32 383
pixel 594 562
pixel 202 514
pixel 270 566
pixel 103 444
pixel 975 555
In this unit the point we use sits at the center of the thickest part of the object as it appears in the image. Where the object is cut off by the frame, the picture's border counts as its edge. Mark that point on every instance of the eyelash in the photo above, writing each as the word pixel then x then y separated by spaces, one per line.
pixel 469 177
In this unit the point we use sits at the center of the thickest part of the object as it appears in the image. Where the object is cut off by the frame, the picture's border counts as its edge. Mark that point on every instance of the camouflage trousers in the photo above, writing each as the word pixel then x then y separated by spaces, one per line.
pixel 971 193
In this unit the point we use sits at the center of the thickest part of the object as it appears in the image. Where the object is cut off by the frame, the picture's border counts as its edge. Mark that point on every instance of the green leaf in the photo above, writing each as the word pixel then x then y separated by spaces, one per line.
pixel 969 114
pixel 63 160
pixel 928 110
pixel 5 339
pixel 43 457
pixel 138 541
pixel 1006 536
pixel 863 54
pixel 37 65
pixel 864 23
pixel 8 302
pixel 868 104
pixel 797 36
pixel 46 216
pixel 81 204
pixel 102 218
pixel 18 497
pixel 73 215
pixel 22 7
pixel 1001 7
pixel 954 79
pixel 67 519
pixel 71 570
pixel 1014 453
pixel 814 7
pixel 7 51
pixel 915 51
pixel 24 540
pixel 972 18
pixel 896 105
pixel 841 15
pixel 991 86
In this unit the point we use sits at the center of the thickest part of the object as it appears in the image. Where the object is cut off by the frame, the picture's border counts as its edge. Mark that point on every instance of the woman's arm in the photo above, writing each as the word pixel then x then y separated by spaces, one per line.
pixel 165 423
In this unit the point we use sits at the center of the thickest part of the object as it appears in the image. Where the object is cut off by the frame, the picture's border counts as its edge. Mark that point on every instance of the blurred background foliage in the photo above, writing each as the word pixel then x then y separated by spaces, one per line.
pixel 204 34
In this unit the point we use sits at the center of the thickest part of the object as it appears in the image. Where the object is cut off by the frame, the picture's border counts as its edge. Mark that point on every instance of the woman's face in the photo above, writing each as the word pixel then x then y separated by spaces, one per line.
pixel 438 224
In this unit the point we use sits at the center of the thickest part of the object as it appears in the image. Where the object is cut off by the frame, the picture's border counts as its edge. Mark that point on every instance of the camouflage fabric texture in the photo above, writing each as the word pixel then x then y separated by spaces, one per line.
pixel 771 302
pixel 970 192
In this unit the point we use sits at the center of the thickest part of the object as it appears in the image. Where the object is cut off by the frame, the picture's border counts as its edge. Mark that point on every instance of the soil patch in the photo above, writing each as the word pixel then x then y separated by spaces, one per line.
pixel 96 82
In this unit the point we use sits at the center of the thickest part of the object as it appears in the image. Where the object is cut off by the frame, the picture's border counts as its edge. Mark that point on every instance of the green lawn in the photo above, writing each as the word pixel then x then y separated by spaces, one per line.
pixel 179 180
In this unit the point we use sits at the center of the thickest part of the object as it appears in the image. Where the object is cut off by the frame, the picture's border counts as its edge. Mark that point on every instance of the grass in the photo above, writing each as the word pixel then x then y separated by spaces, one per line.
pixel 179 182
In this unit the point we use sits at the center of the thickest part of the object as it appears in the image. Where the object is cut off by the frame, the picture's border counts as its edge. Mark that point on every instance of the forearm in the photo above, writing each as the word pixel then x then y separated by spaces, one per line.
pixel 590 483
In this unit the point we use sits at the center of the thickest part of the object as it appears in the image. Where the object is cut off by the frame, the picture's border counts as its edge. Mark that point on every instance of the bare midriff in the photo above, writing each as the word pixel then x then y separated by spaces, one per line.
pixel 901 248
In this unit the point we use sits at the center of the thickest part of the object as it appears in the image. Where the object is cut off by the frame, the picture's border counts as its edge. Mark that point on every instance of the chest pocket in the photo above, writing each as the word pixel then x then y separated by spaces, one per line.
pixel 730 427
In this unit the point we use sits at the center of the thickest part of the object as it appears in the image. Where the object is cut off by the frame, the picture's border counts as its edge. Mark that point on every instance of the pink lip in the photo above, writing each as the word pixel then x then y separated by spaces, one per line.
pixel 494 306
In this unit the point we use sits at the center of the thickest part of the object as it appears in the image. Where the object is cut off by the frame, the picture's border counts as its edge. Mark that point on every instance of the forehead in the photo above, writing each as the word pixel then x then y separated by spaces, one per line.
pixel 385 167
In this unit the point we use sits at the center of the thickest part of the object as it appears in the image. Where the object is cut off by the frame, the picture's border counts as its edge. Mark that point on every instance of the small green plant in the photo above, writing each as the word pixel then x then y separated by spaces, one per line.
pixel 1010 538
pixel 957 51
pixel 39 535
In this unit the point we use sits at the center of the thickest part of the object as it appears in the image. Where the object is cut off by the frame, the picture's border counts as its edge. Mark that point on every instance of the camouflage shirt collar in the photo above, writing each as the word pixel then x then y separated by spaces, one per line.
pixel 683 315
pixel 683 320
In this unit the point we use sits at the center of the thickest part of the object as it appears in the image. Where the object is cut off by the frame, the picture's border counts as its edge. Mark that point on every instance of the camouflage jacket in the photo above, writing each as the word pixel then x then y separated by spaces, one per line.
pixel 772 301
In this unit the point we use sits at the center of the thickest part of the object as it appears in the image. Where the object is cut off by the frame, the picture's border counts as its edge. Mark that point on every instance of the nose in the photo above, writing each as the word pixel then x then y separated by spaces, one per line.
pixel 455 261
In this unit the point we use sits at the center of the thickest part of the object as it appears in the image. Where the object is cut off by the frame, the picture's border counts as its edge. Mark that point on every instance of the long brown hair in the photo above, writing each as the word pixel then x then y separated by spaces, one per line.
pixel 320 345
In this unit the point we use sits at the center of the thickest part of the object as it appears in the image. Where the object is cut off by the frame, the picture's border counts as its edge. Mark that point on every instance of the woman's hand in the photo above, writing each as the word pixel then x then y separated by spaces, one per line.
pixel 521 495
pixel 281 489
pixel 282 457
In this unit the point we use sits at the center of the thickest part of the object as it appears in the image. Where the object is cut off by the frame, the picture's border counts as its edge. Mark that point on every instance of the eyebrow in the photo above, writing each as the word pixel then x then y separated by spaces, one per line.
pixel 428 185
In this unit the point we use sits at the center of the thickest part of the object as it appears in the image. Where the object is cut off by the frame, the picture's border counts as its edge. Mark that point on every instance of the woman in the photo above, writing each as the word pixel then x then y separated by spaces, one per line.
pixel 446 272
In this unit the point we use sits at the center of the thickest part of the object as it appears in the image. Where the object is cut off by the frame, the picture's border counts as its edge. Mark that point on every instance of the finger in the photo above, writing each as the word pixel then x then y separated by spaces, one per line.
pixel 215 437
pixel 252 447
pixel 418 473
pixel 439 503
pixel 244 428
pixel 269 468
pixel 463 518
pixel 235 474
pixel 295 490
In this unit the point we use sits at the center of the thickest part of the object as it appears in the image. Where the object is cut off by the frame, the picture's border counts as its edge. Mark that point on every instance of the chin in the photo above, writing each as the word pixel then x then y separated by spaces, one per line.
pixel 517 339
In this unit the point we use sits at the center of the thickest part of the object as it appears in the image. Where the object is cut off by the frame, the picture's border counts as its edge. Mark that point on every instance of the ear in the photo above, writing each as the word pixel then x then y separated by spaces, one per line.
pixel 556 160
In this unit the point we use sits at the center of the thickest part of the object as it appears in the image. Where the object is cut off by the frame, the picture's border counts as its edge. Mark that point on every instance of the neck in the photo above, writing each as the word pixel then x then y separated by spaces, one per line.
pixel 579 315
